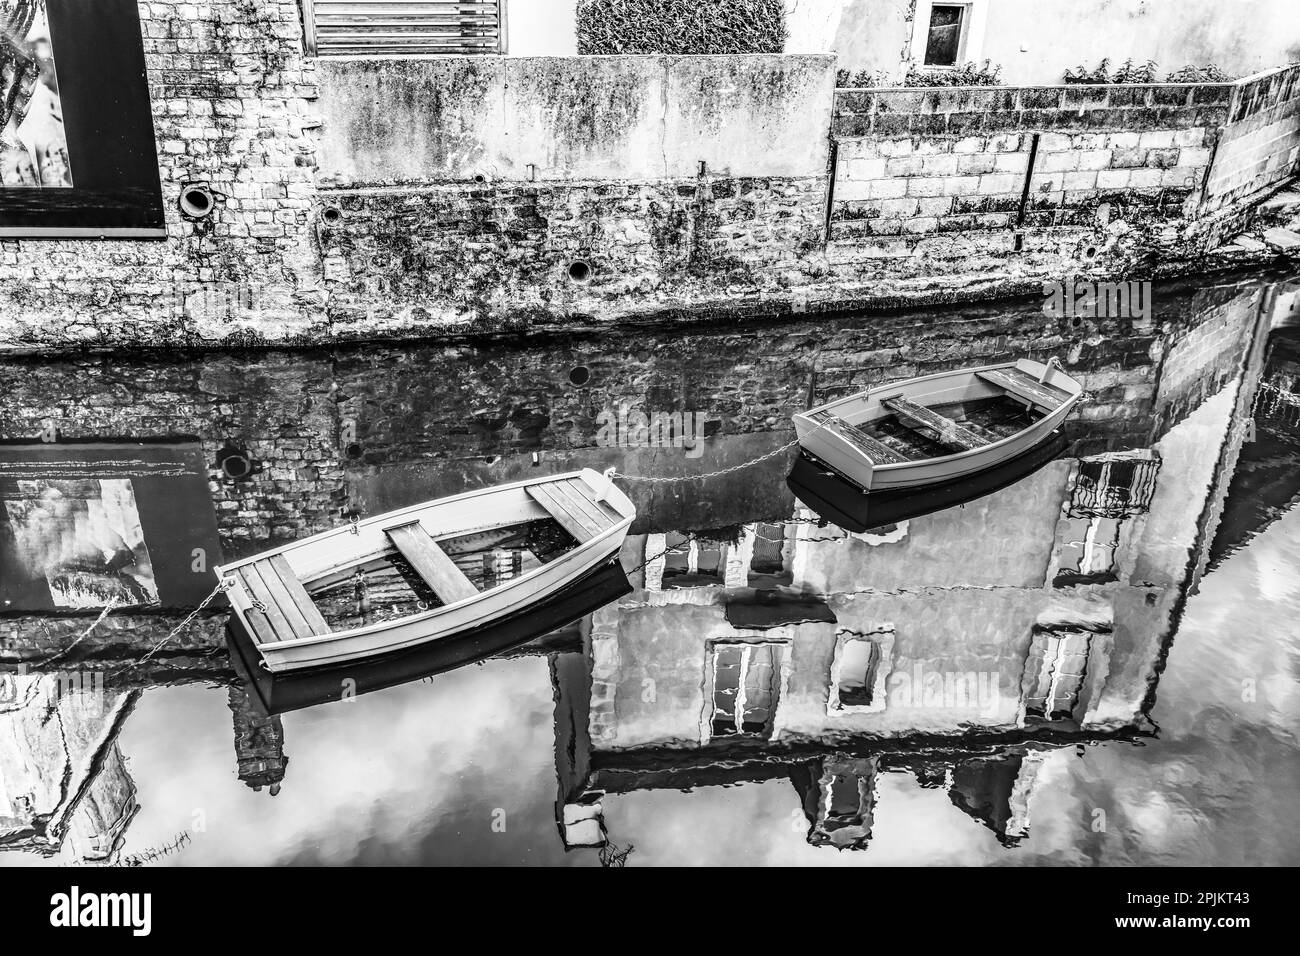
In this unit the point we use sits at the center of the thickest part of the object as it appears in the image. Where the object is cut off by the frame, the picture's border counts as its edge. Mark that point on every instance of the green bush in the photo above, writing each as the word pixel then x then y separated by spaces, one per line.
pixel 681 26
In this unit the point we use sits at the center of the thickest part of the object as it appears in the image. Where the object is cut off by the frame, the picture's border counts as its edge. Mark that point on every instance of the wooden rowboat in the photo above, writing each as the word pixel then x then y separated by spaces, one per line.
pixel 936 428
pixel 446 568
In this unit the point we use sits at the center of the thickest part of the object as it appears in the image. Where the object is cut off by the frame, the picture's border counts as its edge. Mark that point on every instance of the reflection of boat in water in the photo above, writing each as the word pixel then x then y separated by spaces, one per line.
pixel 459 562
pixel 853 509
pixel 936 428
pixel 282 693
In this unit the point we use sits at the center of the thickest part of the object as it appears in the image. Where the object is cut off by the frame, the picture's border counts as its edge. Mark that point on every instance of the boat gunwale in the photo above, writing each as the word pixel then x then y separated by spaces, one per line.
pixel 1062 410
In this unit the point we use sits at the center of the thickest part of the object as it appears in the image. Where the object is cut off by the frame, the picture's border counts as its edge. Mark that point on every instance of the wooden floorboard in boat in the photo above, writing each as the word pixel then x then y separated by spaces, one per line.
pixel 873 448
pixel 432 563
pixel 1025 385
pixel 947 430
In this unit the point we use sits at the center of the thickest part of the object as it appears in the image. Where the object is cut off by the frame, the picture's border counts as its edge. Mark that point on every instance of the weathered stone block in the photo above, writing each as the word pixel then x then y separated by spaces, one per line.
pixel 1128 158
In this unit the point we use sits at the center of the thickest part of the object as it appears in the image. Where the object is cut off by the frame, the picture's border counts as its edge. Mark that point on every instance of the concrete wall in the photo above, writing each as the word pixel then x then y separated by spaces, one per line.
pixel 398 120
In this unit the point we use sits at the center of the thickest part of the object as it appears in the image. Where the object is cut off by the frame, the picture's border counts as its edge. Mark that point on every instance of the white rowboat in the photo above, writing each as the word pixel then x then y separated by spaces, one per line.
pixel 271 592
pixel 936 428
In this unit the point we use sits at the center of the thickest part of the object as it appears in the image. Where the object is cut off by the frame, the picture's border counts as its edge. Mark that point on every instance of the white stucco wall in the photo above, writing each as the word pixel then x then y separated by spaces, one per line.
pixel 1035 41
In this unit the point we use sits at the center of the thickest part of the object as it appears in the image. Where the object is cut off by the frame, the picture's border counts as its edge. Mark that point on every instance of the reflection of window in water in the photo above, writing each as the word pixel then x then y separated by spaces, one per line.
pixel 1088 552
pixel 848 802
pixel 693 563
pixel 1108 490
pixel 859 661
pixel 745 688
pixel 1058 663
pixel 33 146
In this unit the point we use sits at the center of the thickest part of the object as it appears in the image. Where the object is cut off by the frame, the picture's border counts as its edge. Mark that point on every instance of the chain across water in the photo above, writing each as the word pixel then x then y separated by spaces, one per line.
pixel 224 585
pixel 721 471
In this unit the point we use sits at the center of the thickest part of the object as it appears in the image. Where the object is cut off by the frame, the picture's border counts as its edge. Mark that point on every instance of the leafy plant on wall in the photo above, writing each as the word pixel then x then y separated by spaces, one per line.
pixel 680 26
pixel 964 74
pixel 1130 72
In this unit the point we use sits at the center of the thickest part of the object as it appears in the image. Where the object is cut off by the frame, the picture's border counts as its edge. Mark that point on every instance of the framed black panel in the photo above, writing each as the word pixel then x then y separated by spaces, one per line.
pixel 77 151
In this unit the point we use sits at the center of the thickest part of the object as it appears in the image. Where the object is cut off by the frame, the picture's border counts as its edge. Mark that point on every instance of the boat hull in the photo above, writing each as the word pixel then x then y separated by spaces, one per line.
pixel 827 447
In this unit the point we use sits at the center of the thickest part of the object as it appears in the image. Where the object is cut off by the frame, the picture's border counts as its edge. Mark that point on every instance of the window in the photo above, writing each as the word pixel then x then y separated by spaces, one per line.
pixel 1057 665
pixel 943 46
pixel 746 686
pixel 347 28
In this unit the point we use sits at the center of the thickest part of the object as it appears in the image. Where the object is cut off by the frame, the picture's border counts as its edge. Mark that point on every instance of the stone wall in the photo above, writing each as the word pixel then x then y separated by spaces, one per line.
pixel 949 160
pixel 986 184
pixel 1260 146
pixel 446 197
pixel 231 96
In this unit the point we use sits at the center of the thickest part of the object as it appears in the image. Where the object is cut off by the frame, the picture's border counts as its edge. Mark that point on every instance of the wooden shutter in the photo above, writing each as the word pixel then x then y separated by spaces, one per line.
pixel 387 27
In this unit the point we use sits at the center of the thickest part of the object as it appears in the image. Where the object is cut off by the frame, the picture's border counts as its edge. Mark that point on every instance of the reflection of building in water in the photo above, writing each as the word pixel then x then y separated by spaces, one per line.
pixel 62 777
pixel 259 742
pixel 1043 608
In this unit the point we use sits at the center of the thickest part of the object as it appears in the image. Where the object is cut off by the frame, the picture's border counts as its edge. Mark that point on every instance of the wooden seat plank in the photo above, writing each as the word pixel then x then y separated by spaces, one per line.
pixel 431 563
pixel 947 430
pixel 873 448
pixel 581 527
pixel 270 625
pixel 599 515
pixel 1027 387
pixel 307 619
pixel 610 513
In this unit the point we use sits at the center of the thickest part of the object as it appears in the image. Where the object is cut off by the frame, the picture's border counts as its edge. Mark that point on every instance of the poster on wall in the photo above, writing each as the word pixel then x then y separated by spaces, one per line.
pixel 77 151
pixel 83 526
